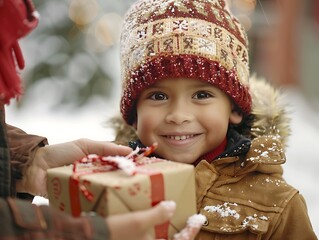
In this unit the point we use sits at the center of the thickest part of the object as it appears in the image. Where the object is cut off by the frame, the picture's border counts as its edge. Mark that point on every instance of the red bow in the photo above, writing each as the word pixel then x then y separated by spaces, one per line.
pixel 109 163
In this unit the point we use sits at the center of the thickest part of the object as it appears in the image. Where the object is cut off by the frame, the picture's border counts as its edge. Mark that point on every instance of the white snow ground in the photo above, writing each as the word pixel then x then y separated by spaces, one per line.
pixel 301 168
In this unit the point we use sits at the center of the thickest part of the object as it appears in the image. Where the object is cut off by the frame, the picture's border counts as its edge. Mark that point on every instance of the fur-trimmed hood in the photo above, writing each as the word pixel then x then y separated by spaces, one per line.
pixel 269 111
pixel 268 117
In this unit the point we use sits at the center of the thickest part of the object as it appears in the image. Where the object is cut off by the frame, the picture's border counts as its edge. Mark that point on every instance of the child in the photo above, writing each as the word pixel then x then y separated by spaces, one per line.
pixel 186 86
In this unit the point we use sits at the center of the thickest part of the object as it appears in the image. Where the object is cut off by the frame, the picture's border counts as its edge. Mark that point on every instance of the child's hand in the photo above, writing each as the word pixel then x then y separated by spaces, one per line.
pixel 136 225
pixel 192 228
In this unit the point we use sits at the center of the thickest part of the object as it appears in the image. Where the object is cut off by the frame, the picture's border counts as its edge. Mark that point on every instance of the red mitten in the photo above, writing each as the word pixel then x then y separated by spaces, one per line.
pixel 18 18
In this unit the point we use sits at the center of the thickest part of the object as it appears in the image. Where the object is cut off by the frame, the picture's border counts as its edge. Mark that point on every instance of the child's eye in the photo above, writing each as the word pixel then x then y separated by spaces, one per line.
pixel 202 95
pixel 158 96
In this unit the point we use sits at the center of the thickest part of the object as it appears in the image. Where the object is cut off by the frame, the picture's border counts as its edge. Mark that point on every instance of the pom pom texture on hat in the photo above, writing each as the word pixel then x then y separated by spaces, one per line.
pixel 197 39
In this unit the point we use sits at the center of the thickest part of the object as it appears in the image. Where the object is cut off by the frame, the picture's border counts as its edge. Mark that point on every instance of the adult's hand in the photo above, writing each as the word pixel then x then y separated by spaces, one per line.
pixel 50 156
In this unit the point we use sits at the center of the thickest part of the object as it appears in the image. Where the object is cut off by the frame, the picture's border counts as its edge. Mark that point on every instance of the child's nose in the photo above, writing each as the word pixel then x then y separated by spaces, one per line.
pixel 179 113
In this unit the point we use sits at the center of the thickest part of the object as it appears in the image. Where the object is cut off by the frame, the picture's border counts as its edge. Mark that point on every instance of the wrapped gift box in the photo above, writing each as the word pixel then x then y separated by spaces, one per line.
pixel 113 191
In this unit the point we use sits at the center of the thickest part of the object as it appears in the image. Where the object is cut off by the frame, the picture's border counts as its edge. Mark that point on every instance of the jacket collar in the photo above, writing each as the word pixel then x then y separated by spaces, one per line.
pixel 265 155
pixel 237 144
pixel 243 155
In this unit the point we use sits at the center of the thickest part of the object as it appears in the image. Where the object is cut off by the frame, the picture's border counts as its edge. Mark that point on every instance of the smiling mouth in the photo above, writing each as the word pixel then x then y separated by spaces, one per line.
pixel 180 137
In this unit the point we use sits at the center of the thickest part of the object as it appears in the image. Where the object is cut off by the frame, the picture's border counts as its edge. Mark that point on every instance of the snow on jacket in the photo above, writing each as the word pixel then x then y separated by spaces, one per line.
pixel 242 192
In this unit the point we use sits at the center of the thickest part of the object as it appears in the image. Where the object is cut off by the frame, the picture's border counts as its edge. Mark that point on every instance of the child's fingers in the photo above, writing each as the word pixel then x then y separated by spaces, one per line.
pixel 192 228
pixel 136 225
pixel 161 213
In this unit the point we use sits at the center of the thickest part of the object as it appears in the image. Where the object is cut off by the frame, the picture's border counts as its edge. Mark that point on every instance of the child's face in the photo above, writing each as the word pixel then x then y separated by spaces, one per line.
pixel 186 117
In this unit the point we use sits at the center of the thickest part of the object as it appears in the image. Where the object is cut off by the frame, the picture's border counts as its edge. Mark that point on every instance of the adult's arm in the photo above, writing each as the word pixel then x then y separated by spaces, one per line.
pixel 23 220
pixel 22 148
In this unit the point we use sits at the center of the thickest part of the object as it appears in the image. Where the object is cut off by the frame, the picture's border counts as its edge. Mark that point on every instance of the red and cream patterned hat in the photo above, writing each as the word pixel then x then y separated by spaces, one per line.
pixel 183 38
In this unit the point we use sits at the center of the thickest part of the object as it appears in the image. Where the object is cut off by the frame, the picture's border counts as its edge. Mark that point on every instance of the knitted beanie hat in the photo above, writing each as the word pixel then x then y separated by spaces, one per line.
pixel 197 39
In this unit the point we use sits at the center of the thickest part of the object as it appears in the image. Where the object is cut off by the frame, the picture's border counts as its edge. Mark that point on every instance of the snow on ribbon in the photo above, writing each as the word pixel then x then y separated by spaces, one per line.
pixel 93 163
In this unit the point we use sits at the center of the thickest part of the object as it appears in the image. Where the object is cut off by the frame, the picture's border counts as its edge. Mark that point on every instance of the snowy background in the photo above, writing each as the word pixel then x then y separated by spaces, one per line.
pixel 57 78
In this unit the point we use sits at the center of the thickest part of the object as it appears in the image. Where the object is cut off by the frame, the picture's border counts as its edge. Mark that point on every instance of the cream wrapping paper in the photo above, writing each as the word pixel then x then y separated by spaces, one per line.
pixel 114 192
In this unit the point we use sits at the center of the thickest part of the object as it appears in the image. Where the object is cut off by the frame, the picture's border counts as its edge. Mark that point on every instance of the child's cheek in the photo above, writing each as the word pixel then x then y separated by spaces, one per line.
pixel 145 130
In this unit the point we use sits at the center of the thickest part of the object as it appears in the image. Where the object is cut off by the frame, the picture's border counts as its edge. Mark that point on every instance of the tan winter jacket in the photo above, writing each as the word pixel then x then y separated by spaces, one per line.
pixel 245 196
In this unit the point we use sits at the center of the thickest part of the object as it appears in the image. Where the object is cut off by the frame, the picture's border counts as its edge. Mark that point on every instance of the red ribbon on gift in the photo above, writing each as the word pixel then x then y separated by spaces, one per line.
pixel 158 195
pixel 106 164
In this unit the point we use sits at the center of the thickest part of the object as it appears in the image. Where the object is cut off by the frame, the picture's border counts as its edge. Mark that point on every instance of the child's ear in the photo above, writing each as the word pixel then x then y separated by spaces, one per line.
pixel 235 117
